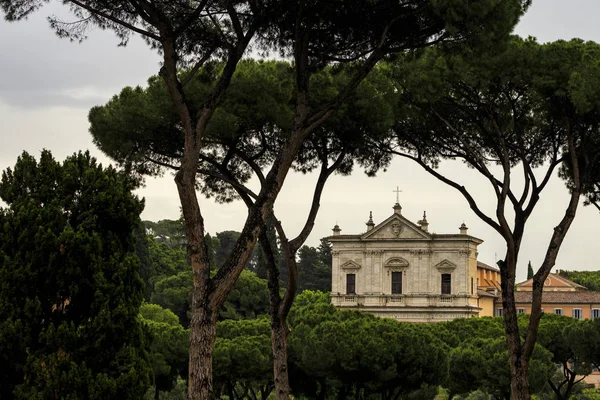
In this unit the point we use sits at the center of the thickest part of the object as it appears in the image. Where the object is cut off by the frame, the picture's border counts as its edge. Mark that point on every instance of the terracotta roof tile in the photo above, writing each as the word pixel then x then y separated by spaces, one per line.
pixel 488 267
pixel 579 297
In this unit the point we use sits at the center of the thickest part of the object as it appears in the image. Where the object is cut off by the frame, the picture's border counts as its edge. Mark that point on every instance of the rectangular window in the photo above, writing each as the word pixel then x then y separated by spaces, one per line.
pixel 396 282
pixel 595 313
pixel 499 312
pixel 472 289
pixel 350 284
pixel 520 310
pixel 446 283
pixel 558 311
pixel 577 314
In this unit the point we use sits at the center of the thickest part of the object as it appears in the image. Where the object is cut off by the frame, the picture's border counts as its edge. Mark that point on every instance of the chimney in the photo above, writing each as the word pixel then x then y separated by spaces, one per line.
pixel 336 230
pixel 370 223
pixel 463 229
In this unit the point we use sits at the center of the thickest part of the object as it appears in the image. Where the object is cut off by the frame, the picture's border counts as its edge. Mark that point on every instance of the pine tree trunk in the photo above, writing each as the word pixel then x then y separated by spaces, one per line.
pixel 278 310
pixel 203 333
pixel 519 383
pixel 280 365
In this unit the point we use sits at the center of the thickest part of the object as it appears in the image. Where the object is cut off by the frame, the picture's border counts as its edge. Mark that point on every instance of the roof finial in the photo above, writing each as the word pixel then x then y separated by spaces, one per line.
pixel 370 223
pixel 423 223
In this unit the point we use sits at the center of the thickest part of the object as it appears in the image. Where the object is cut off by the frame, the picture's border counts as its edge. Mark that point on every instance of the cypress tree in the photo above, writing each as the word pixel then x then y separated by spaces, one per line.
pixel 70 289
pixel 529 271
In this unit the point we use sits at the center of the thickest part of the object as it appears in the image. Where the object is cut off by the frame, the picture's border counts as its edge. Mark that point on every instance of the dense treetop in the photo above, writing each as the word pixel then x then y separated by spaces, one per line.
pixel 70 289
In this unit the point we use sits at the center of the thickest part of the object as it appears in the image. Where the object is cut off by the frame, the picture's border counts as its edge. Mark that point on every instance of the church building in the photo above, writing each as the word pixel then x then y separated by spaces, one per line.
pixel 398 269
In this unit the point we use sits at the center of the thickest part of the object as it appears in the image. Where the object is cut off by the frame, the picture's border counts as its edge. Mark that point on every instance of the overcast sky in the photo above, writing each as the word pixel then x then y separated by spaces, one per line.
pixel 47 86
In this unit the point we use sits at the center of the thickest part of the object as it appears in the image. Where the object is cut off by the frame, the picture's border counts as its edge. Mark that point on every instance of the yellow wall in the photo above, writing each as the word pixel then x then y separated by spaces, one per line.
pixel 487 306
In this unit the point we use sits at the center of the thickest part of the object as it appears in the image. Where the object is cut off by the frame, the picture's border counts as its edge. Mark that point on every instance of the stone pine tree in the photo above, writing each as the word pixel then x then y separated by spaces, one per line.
pixel 312 33
pixel 234 155
pixel 70 290
pixel 526 110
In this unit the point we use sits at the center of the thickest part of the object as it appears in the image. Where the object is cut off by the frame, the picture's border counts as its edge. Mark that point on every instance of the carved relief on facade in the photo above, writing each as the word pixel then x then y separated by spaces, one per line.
pixel 397 228
pixel 421 252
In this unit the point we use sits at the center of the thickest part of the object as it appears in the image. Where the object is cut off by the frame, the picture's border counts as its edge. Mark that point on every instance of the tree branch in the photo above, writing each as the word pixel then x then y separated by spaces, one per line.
pixel 461 189
pixel 324 174
pixel 115 20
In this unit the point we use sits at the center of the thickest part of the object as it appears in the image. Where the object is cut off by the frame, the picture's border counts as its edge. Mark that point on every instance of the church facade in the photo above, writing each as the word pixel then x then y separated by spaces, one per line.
pixel 398 269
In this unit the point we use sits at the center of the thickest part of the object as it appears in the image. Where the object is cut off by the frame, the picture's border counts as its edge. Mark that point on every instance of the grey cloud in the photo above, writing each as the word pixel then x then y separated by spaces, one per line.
pixel 38 69
pixel 31 99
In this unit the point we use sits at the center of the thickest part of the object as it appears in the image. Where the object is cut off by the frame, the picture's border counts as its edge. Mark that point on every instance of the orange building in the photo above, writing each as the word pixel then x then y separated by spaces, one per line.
pixel 561 296
pixel 488 289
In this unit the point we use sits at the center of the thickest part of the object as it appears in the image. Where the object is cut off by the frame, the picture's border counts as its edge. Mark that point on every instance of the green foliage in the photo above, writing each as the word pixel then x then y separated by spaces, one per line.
pixel 139 127
pixel 169 348
pixel 589 279
pixel 70 288
pixel 166 260
pixel 243 359
pixel 161 250
pixel 357 352
pixel 584 338
pixel 179 392
pixel 155 313
pixel 529 270
pixel 590 394
pixel 225 242
pixel 249 298
pixel 521 107
pixel 479 359
pixel 175 293
pixel 168 231
pixel 210 244
pixel 314 272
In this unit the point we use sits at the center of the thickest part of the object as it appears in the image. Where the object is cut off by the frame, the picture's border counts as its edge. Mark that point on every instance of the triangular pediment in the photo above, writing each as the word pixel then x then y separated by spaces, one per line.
pixel 350 265
pixel 554 282
pixel 396 227
pixel 445 266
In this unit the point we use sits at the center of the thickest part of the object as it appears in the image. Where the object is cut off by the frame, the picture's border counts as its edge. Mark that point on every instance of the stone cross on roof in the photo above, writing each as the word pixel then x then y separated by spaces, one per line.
pixel 397 191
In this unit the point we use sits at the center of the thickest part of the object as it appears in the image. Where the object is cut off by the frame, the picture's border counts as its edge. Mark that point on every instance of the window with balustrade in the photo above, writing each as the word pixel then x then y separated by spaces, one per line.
pixel 350 283
pixel 446 283
pixel 396 282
